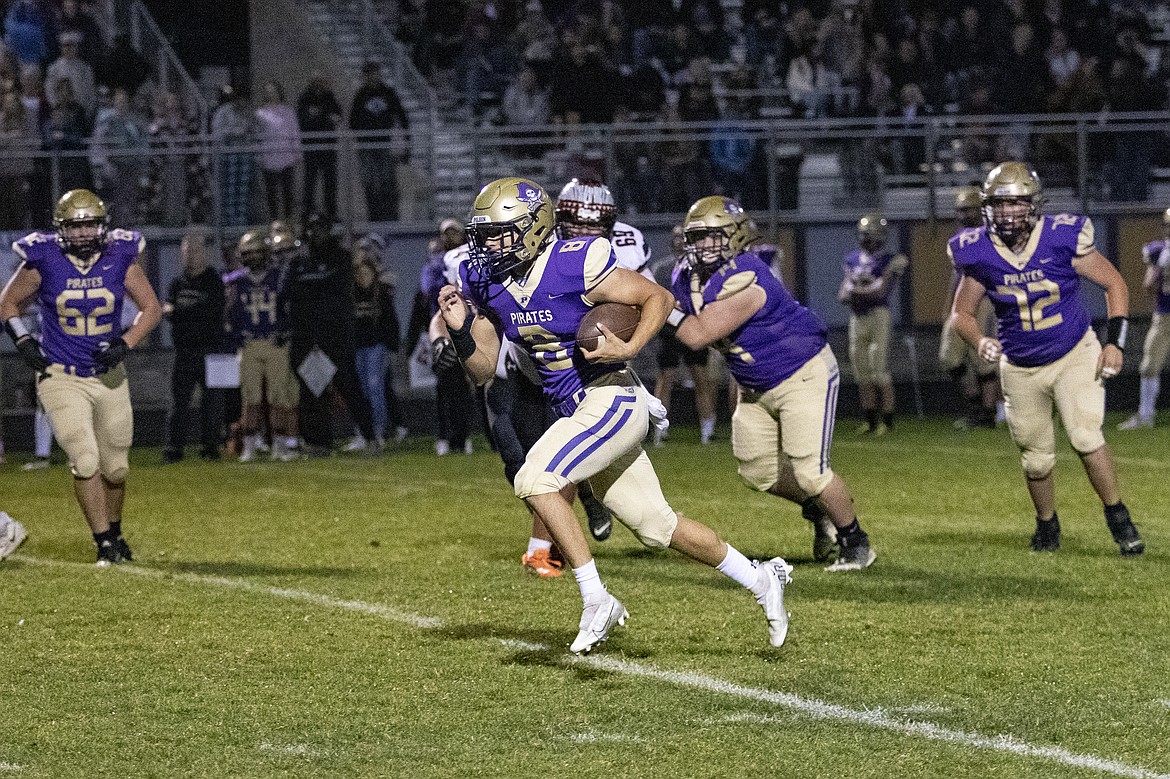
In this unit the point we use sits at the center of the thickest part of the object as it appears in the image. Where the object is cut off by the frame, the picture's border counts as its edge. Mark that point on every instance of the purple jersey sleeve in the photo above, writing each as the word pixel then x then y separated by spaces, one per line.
pixel 1036 294
pixel 80 308
pixel 775 342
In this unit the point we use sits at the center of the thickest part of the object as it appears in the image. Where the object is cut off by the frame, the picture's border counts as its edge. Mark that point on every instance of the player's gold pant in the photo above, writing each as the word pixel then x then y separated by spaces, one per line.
pixel 953 351
pixel 262 360
pixel 793 420
pixel 1156 347
pixel 601 442
pixel 1072 384
pixel 92 420
pixel 869 346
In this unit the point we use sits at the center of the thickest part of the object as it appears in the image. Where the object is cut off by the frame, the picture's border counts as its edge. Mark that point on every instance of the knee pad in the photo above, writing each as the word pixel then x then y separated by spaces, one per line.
pixel 530 480
pixel 85 465
pixel 116 474
pixel 1086 441
pixel 1037 465
pixel 810 478
pixel 653 523
pixel 758 475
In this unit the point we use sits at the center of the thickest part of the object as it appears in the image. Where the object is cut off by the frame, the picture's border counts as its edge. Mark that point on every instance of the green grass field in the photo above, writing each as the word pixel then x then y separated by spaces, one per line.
pixel 357 617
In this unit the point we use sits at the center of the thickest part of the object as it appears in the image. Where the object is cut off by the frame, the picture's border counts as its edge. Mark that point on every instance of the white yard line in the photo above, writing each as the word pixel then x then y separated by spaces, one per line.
pixel 1008 450
pixel 810 707
pixel 10 767
pixel 296 750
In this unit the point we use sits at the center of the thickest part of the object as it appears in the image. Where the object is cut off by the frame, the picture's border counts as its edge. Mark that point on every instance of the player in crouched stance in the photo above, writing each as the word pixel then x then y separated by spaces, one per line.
pixel 535 290
pixel 1031 267
pixel 79 275
pixel 776 349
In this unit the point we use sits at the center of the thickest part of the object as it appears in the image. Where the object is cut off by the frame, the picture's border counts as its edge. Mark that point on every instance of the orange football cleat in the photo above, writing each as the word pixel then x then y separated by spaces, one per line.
pixel 541 564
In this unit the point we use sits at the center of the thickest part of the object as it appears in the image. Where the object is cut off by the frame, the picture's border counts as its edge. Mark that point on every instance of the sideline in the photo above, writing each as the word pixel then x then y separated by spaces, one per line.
pixel 811 707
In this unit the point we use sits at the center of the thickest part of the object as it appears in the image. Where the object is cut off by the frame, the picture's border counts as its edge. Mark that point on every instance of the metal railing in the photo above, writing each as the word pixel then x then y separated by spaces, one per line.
pixel 791 170
pixel 168 71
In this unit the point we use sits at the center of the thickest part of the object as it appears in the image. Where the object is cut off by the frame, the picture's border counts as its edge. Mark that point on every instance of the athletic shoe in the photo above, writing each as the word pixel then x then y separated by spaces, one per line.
pixel 400 434
pixel 853 556
pixel 123 549
pixel 865 428
pixel 824 539
pixel 777 573
pixel 356 444
pixel 1047 536
pixel 597 620
pixel 1135 422
pixel 108 554
pixel 881 429
pixel 249 453
pixel 41 463
pixel 261 444
pixel 600 518
pixel 442 448
pixel 542 564
pixel 1126 535
pixel 12 535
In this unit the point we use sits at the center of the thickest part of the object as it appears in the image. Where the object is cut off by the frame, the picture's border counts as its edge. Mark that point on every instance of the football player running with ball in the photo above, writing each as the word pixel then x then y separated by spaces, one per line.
pixel 1031 267
pixel 79 275
pixel 535 289
pixel 777 351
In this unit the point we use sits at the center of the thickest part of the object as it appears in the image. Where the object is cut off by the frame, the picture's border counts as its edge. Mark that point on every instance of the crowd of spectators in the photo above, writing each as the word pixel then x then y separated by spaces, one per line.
pixel 541 62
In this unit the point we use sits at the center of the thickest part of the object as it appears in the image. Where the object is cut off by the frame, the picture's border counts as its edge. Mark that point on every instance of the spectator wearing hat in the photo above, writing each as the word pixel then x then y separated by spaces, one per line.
pixel 319 112
pixel 77 71
pixel 376 107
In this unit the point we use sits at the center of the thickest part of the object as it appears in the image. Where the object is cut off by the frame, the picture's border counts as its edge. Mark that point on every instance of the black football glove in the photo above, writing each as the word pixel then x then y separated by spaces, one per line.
pixel 30 351
pixel 110 353
pixel 443 356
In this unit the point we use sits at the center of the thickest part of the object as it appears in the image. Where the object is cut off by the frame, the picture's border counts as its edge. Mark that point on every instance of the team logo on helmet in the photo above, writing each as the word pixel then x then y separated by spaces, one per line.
pixel 526 193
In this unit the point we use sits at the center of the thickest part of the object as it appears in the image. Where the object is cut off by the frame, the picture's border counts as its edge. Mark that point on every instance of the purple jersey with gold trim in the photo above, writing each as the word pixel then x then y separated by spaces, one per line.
pixel 541 312
pixel 80 309
pixel 1157 255
pixel 772 345
pixel 253 311
pixel 1036 293
pixel 860 264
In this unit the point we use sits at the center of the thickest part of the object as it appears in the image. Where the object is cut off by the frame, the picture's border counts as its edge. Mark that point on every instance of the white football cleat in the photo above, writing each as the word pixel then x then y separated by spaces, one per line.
pixel 596 621
pixel 12 535
pixel 356 444
pixel 1135 422
pixel 778 574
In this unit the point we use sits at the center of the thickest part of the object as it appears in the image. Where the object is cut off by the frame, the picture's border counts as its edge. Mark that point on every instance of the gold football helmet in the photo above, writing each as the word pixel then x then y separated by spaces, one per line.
pixel 80 219
pixel 725 220
pixel 282 239
pixel 872 230
pixel 1008 186
pixel 968 207
pixel 253 248
pixel 511 222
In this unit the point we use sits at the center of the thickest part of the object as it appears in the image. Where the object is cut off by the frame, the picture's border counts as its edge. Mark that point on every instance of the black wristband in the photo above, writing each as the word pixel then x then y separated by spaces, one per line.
pixel 673 320
pixel 462 339
pixel 1115 331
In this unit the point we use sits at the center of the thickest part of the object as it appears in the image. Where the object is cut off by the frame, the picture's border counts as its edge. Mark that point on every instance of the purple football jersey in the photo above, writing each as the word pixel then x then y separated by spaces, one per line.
pixel 80 309
pixel 772 345
pixel 1036 293
pixel 542 311
pixel 860 263
pixel 1153 253
pixel 253 310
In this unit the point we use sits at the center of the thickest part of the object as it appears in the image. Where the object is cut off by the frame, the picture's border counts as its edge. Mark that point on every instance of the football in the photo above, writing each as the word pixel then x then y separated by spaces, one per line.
pixel 622 321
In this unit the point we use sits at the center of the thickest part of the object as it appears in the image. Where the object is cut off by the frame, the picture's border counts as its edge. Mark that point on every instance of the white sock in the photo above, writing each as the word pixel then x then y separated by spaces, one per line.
pixel 741 570
pixel 44 434
pixel 290 442
pixel 707 429
pixel 1149 396
pixel 589 580
pixel 536 543
pixel 1000 412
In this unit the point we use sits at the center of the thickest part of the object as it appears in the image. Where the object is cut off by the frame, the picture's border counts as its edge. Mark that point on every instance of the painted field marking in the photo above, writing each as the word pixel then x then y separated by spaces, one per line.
pixel 296 750
pixel 810 707
pixel 10 767
pixel 1011 451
